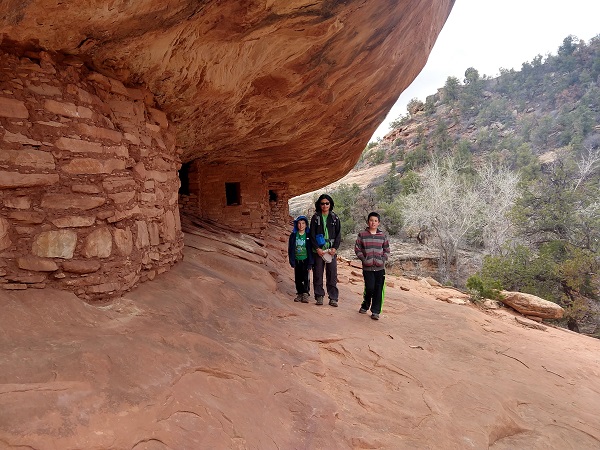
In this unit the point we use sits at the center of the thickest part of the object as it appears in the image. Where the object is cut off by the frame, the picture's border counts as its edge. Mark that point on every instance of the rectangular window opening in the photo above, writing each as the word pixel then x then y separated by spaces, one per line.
pixel 232 193
pixel 184 177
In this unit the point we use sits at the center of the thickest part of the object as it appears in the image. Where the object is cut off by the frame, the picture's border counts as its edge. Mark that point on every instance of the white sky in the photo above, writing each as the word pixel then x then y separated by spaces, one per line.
pixel 490 34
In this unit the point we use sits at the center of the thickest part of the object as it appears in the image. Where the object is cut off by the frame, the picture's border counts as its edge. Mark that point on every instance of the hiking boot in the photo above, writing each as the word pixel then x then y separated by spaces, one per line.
pixel 305 298
pixel 375 316
pixel 362 311
pixel 333 303
pixel 319 299
pixel 298 298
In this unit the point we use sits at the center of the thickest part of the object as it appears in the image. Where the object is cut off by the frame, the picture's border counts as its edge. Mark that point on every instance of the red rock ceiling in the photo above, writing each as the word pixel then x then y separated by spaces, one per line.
pixel 293 88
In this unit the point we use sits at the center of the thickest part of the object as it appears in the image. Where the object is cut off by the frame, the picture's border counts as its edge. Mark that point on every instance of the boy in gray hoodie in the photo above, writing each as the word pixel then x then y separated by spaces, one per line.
pixel 373 249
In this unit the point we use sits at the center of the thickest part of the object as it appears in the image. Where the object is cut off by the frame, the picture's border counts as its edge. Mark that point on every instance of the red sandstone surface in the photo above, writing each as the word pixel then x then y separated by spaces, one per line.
pixel 214 354
pixel 270 84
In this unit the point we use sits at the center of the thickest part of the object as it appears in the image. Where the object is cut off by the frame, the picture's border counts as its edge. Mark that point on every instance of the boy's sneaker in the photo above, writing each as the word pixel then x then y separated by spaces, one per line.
pixel 362 311
pixel 305 297
pixel 298 297
pixel 333 303
pixel 375 316
pixel 319 299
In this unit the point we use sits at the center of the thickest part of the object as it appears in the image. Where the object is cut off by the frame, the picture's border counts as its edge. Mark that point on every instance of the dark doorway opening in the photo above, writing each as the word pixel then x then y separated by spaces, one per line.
pixel 184 177
pixel 232 192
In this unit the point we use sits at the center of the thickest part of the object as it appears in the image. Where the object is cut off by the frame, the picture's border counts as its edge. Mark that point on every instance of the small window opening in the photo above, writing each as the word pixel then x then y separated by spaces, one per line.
pixel 184 177
pixel 232 192
pixel 272 196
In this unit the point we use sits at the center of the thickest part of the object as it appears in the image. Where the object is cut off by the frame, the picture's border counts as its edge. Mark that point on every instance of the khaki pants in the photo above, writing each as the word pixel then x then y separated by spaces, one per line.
pixel 330 270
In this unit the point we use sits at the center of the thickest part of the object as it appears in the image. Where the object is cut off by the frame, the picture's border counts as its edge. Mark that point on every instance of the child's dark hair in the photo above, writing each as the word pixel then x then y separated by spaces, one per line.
pixel 374 214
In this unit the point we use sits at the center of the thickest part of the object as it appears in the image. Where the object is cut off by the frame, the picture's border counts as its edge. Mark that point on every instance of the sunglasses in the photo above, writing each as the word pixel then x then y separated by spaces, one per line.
pixel 324 203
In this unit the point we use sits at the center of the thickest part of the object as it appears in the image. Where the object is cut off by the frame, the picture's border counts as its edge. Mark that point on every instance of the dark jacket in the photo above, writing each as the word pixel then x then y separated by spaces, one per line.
pixel 292 244
pixel 334 227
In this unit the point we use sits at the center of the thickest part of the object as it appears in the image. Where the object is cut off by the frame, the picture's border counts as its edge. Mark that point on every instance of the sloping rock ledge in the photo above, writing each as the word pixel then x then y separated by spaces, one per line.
pixel 215 354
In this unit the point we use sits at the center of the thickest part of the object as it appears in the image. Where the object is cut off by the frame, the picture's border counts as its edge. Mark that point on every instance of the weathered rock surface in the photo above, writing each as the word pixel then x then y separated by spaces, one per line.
pixel 278 84
pixel 69 197
pixel 214 354
pixel 531 305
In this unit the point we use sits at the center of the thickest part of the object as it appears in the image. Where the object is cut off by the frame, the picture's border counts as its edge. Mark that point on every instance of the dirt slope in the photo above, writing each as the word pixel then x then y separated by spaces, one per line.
pixel 215 355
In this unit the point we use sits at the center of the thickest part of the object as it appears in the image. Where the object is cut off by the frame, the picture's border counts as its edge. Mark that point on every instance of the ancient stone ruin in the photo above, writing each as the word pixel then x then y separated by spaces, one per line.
pixel 115 117
pixel 88 180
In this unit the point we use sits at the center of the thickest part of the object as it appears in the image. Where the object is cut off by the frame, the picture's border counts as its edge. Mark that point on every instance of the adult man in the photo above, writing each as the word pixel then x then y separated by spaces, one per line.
pixel 325 235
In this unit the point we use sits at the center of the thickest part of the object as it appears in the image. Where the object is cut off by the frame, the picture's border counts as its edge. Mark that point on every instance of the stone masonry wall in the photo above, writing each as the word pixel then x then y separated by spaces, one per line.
pixel 250 214
pixel 190 202
pixel 207 198
pixel 279 210
pixel 88 181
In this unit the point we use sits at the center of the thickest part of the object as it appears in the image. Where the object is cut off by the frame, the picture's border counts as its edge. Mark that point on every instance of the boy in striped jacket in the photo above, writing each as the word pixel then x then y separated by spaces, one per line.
pixel 373 249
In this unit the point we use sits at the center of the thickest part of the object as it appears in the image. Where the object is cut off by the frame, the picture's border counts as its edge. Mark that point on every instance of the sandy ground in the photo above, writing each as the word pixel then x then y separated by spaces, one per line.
pixel 216 355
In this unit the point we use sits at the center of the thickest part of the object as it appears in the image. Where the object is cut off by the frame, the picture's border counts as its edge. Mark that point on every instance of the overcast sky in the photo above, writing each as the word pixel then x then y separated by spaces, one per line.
pixel 490 34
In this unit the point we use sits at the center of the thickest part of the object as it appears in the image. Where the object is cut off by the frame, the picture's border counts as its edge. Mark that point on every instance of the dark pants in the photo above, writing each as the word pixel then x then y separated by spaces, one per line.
pixel 330 270
pixel 301 277
pixel 374 290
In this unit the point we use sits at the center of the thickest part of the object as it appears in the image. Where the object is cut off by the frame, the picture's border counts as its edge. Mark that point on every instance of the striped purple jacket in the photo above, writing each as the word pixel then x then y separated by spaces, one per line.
pixel 372 249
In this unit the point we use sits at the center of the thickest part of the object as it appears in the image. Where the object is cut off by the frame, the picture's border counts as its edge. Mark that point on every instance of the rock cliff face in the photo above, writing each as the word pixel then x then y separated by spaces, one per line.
pixel 101 102
pixel 292 88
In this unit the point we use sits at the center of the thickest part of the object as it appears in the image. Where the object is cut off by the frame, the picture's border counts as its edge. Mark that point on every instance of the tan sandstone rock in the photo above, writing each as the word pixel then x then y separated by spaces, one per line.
pixel 207 354
pixel 530 305
pixel 5 241
pixel 37 264
pixel 98 244
pixel 55 244
pixel 81 267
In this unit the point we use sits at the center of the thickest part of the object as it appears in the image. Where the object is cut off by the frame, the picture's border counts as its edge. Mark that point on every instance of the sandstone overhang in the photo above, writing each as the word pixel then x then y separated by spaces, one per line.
pixel 292 88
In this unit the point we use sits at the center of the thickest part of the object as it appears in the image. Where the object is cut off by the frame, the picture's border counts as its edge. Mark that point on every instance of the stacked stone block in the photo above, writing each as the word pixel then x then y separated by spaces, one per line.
pixel 88 181
pixel 279 209
pixel 250 215
pixel 254 213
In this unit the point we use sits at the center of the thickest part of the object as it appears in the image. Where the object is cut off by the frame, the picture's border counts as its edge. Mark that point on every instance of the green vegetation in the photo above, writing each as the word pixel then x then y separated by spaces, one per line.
pixel 345 206
pixel 481 289
pixel 508 167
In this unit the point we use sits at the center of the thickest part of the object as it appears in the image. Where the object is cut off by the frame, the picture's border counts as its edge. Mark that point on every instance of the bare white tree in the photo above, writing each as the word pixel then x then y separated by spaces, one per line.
pixel 446 205
pixel 498 187
pixel 587 165
pixel 586 217
pixel 453 206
